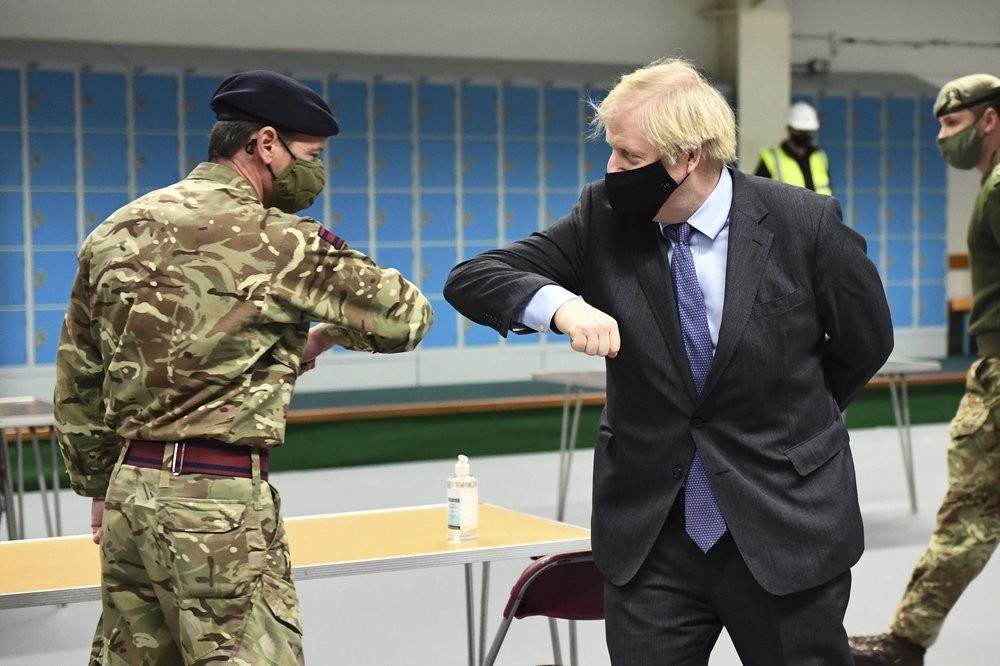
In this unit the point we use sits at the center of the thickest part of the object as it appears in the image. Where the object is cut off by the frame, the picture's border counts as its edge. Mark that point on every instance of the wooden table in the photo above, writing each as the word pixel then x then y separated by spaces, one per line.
pixel 36 572
pixel 20 415
pixel 895 372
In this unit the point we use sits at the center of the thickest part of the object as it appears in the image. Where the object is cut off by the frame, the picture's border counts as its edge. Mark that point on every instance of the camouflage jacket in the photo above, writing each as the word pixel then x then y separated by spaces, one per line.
pixel 189 314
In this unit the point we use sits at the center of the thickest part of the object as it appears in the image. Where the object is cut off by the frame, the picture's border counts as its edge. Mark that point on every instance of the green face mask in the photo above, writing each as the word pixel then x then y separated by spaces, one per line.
pixel 298 185
pixel 962 150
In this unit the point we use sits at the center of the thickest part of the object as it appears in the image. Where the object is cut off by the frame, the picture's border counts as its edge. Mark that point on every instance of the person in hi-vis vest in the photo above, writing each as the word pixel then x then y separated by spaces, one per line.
pixel 797 161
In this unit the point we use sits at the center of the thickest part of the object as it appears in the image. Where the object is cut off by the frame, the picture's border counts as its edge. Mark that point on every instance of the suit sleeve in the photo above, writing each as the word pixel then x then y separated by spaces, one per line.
pixel 853 306
pixel 493 287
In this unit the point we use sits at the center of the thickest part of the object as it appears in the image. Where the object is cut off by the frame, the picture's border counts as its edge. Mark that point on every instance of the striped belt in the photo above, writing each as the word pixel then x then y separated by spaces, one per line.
pixel 197 456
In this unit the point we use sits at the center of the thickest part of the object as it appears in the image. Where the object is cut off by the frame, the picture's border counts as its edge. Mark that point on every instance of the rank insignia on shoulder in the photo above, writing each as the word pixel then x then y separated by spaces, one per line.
pixel 331 238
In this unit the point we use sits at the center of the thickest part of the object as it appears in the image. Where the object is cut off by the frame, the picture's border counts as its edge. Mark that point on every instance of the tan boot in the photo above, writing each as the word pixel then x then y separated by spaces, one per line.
pixel 885 650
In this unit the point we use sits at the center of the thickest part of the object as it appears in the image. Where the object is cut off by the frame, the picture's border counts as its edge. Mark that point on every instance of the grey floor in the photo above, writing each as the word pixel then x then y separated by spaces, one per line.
pixel 417 618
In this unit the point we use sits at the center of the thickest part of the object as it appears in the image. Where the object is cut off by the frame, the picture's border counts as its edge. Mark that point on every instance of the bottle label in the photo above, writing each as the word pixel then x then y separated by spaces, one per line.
pixel 454 513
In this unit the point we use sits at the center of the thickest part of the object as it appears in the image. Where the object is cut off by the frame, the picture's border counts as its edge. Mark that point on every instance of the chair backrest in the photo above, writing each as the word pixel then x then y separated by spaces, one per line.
pixel 567 586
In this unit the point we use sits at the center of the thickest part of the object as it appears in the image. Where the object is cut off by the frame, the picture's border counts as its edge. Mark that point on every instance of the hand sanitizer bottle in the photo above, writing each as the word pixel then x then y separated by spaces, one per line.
pixel 463 503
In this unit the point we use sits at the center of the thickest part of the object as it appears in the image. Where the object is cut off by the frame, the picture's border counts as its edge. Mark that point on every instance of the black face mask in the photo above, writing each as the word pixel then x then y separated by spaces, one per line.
pixel 801 140
pixel 638 194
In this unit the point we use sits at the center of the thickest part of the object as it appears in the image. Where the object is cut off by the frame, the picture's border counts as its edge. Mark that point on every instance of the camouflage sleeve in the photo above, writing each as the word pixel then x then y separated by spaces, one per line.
pixel 88 446
pixel 366 307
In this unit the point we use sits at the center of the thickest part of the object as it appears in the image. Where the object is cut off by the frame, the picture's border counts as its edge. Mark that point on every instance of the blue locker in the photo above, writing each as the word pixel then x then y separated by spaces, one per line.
pixel 102 101
pixel 927 125
pixel 479 163
pixel 11 218
pixel 391 108
pixel 48 326
pixel 349 217
pixel 10 168
pixel 479 336
pixel 444 332
pixel 899 168
pixel 931 169
pixel 393 218
pixel 198 91
pixel 562 164
pixel 437 163
pixel 558 205
pixel 347 160
pixel 436 262
pixel 14 351
pixel 105 160
pixel 899 215
pixel 349 103
pixel 12 279
pixel 866 217
pixel 866 119
pixel 156 161
pixel 875 254
pixel 195 150
pixel 53 159
pixel 520 112
pixel 932 305
pixel 155 102
pixel 436 108
pixel 595 155
pixel 98 206
pixel 562 112
pixel 437 216
pixel 393 163
pixel 899 260
pixel 900 305
pixel 521 215
pixel 931 213
pixel 479 110
pixel 832 110
pixel 53 278
pixel 867 167
pixel 899 120
pixel 10 98
pixel 400 258
pixel 480 221
pixel 50 100
pixel 520 163
pixel 933 260
pixel 53 218
pixel 837 156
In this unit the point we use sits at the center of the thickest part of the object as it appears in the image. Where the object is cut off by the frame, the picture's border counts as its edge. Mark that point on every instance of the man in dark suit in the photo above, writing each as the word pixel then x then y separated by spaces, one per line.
pixel 724 487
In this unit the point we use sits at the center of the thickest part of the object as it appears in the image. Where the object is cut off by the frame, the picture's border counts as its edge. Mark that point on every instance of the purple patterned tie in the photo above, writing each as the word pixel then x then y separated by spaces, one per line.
pixel 702 518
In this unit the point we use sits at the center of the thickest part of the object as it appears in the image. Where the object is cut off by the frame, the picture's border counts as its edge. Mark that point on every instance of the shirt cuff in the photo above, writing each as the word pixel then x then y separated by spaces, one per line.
pixel 541 307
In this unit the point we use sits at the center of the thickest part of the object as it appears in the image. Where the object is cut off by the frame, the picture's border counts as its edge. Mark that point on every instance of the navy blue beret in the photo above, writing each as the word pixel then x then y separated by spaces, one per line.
pixel 273 99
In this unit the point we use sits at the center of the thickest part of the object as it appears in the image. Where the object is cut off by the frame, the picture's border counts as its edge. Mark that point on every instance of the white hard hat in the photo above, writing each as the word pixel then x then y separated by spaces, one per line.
pixel 802 116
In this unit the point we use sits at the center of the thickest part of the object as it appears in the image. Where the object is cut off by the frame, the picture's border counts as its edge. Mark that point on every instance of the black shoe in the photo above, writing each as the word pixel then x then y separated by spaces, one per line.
pixel 885 650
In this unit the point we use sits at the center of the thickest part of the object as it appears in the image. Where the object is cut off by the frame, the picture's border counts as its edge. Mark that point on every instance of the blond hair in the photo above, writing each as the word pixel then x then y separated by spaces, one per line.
pixel 678 109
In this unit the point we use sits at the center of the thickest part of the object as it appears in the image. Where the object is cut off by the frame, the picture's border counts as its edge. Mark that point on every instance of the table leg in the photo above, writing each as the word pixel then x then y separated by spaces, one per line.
pixel 19 453
pixel 8 489
pixel 483 608
pixel 470 624
pixel 901 410
pixel 54 450
pixel 567 444
pixel 43 491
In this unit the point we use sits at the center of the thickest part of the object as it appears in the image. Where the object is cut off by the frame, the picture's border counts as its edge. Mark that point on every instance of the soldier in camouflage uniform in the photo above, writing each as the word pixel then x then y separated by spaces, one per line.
pixel 188 324
pixel 968 530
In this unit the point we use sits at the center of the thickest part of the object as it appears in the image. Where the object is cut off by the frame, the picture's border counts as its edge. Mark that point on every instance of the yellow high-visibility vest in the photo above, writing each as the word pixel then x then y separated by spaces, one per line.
pixel 783 167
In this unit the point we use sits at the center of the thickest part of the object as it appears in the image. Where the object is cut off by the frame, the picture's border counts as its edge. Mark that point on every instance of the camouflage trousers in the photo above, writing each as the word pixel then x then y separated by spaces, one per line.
pixel 195 570
pixel 968 522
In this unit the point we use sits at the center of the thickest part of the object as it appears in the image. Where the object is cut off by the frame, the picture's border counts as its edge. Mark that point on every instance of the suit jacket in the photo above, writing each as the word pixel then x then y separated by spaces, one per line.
pixel 805 325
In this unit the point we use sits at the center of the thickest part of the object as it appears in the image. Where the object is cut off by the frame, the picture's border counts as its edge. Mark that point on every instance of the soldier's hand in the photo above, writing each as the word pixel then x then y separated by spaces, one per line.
pixel 97 519
pixel 590 331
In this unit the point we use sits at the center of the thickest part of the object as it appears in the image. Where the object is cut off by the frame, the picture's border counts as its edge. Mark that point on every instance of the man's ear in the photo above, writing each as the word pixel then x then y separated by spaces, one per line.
pixel 991 119
pixel 267 137
pixel 694 158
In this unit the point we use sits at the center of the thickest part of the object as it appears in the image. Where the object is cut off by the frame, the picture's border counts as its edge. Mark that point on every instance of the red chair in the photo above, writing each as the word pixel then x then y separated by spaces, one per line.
pixel 566 586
